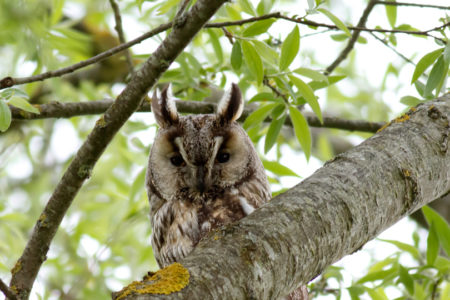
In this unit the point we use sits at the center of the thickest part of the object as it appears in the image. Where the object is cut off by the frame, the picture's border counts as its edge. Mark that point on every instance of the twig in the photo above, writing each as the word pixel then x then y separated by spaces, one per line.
pixel 120 33
pixel 105 129
pixel 9 294
pixel 73 109
pixel 392 48
pixel 10 81
pixel 353 39
pixel 275 90
pixel 412 4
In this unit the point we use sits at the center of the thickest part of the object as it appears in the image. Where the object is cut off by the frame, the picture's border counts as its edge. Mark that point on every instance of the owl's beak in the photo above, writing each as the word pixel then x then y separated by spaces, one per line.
pixel 200 179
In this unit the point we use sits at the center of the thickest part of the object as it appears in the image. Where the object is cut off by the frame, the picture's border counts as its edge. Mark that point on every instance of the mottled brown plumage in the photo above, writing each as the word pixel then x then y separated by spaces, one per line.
pixel 203 173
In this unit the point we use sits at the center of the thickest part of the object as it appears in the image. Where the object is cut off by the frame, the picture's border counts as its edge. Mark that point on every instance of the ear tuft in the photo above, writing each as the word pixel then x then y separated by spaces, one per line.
pixel 164 109
pixel 231 105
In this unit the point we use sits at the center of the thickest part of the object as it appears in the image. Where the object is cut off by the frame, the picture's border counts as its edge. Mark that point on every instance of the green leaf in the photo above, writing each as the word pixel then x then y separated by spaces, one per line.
pixel 301 130
pixel 307 92
pixel 381 264
pixel 335 20
pixel 236 56
pixel 432 244
pixel 216 45
pixel 278 169
pixel 259 115
pixel 317 85
pixel 258 28
pixel 310 73
pixel 247 7
pixel 437 74
pixel 262 97
pixel 405 247
pixel 8 93
pixel 267 53
pixel 272 133
pixel 410 100
pixel 376 294
pixel 289 49
pixel 5 116
pixel 441 227
pixel 424 63
pixel 21 103
pixel 378 275
pixel 406 279
pixel 253 61
pixel 391 13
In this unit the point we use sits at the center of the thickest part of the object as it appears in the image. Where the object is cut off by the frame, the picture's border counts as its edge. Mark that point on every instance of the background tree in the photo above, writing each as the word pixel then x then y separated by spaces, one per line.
pixel 273 49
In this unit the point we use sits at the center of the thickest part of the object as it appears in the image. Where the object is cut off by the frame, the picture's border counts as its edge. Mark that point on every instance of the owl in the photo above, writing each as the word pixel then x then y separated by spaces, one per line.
pixel 203 173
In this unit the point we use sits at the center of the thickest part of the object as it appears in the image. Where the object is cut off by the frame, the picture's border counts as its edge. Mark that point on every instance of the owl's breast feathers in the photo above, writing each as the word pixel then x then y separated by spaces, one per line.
pixel 179 225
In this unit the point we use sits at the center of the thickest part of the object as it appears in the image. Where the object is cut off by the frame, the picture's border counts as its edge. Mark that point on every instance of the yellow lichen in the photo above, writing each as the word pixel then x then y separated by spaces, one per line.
pixel 42 219
pixel 101 122
pixel 413 109
pixel 169 280
pixel 406 173
pixel 400 119
pixel 431 107
pixel 384 126
pixel 216 237
pixel 17 267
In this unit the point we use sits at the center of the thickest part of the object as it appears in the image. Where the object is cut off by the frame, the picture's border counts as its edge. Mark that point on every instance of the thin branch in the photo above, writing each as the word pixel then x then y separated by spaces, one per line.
pixel 9 294
pixel 73 109
pixel 392 48
pixel 120 33
pixel 10 81
pixel 353 39
pixel 412 4
pixel 275 90
pixel 35 253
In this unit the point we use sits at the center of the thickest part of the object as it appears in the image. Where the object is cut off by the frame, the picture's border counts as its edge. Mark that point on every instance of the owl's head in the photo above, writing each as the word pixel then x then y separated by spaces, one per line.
pixel 197 156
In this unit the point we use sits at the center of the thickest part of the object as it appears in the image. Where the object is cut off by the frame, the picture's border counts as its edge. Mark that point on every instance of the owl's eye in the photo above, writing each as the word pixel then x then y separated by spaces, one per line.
pixel 223 157
pixel 177 160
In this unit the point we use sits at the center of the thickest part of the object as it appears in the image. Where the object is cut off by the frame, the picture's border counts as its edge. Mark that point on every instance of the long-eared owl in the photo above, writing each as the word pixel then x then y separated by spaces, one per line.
pixel 203 172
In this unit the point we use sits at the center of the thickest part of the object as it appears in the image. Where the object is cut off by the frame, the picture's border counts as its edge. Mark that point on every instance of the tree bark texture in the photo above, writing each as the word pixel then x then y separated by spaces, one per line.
pixel 185 26
pixel 333 213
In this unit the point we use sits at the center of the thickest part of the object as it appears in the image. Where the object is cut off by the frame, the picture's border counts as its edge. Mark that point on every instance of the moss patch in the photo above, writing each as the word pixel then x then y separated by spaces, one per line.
pixel 166 281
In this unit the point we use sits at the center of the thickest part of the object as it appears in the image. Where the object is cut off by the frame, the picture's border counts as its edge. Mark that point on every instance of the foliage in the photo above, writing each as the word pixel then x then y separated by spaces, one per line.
pixel 281 67
pixel 425 275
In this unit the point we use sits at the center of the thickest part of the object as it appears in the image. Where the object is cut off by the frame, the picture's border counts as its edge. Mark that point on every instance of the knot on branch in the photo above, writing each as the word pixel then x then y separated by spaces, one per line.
pixel 6 82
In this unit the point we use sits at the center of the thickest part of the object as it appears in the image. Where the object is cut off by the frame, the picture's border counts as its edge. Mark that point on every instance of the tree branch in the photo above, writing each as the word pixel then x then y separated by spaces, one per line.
pixel 392 48
pixel 333 213
pixel 353 39
pixel 412 4
pixel 9 294
pixel 73 109
pixel 10 81
pixel 120 33
pixel 28 265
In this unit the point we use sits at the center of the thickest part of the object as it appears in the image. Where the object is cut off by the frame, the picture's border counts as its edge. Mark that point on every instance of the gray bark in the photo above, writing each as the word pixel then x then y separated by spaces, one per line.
pixel 333 213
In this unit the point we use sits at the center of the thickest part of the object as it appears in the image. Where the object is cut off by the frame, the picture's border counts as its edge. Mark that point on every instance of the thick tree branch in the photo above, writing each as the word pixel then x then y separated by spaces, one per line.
pixel 351 43
pixel 120 33
pixel 333 213
pixel 72 109
pixel 412 4
pixel 28 265
pixel 10 81
pixel 9 294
